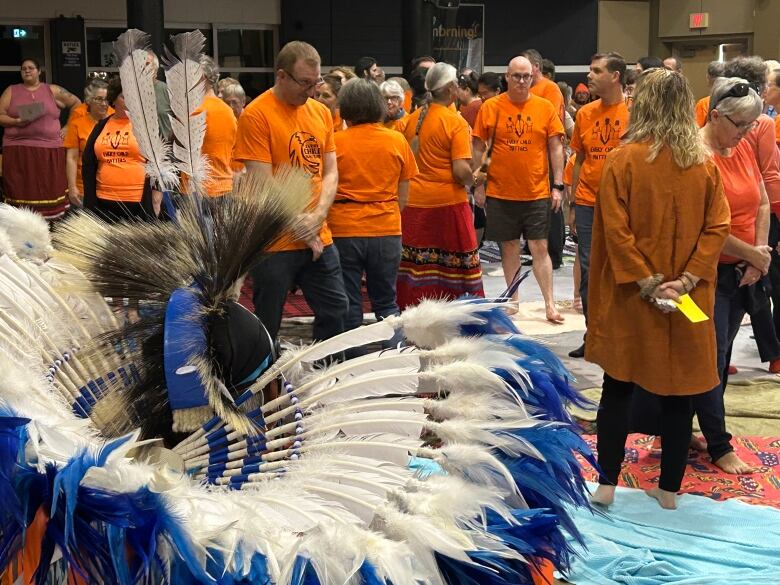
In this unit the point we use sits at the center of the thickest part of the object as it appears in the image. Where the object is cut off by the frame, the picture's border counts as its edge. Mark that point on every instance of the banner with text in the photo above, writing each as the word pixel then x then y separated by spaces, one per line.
pixel 458 36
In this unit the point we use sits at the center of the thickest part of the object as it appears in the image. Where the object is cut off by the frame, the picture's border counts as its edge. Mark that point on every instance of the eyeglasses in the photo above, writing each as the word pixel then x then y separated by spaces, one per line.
pixel 392 98
pixel 741 128
pixel 520 77
pixel 99 100
pixel 307 85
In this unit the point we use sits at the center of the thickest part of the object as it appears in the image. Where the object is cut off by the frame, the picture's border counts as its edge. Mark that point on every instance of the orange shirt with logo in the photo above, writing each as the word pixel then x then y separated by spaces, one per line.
pixel 444 137
pixel 518 170
pixel 120 172
pixel 702 109
pixel 274 132
pixel 597 131
pixel 549 90
pixel 76 136
pixel 366 202
pixel 741 177
pixel 221 126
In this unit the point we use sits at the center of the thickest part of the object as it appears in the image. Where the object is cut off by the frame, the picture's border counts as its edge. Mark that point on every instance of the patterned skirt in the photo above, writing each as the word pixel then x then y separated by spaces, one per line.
pixel 439 258
pixel 34 177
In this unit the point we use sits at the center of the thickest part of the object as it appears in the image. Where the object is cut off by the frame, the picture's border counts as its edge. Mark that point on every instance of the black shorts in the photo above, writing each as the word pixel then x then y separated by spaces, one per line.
pixel 511 220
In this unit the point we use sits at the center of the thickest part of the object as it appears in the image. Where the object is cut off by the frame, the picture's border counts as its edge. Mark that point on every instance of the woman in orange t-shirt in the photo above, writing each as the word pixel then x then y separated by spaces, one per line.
pixel 440 257
pixel 115 182
pixel 393 96
pixel 328 95
pixel 79 129
pixel 734 108
pixel 365 218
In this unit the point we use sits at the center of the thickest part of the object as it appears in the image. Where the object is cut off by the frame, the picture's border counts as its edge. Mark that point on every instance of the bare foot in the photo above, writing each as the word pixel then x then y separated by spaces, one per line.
pixel 698 443
pixel 603 496
pixel 730 463
pixel 668 500
pixel 553 316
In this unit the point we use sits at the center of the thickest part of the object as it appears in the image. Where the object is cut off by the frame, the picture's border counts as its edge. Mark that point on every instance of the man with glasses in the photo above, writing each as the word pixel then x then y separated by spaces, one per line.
pixel 521 130
pixel 285 126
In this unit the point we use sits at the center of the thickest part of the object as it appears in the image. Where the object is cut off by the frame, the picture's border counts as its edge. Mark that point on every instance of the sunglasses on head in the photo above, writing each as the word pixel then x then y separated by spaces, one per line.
pixel 739 90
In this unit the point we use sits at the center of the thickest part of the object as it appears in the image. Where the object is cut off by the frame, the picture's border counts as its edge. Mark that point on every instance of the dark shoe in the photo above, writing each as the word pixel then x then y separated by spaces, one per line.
pixel 578 353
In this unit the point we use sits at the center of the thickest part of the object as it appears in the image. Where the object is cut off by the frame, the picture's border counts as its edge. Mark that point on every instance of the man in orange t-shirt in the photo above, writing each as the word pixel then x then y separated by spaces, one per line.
pixel 523 130
pixel 599 127
pixel 714 70
pixel 283 126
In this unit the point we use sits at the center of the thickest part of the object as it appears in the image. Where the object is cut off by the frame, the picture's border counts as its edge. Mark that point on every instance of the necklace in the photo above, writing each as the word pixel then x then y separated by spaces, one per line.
pixel 33 90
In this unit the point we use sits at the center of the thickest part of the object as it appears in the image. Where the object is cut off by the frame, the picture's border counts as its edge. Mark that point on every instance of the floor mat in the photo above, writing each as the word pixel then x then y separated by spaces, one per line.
pixel 642 468
pixel 752 407
pixel 701 543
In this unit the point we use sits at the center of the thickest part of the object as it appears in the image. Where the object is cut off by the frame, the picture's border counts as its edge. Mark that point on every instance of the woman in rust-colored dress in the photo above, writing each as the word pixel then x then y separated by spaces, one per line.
pixel 660 223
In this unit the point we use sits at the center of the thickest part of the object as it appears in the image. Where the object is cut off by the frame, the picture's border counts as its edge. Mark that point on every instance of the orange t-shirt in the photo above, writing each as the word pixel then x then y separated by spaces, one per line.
pixel 338 122
pixel 399 124
pixel 408 100
pixel 597 131
pixel 741 177
pixel 273 132
pixel 221 125
pixel 519 170
pixel 702 109
pixel 777 130
pixel 366 202
pixel 549 90
pixel 120 172
pixel 76 136
pixel 568 171
pixel 443 138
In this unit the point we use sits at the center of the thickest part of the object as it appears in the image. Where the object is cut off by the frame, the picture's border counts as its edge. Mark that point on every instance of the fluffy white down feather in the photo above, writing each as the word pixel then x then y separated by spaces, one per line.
pixel 27 231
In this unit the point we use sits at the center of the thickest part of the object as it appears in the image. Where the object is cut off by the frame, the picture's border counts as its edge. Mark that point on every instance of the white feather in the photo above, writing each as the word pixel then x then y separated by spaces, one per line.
pixel 432 322
pixel 186 88
pixel 138 75
pixel 28 232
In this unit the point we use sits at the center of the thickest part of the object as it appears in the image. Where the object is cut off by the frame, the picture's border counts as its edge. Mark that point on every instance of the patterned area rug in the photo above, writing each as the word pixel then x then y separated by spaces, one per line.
pixel 642 468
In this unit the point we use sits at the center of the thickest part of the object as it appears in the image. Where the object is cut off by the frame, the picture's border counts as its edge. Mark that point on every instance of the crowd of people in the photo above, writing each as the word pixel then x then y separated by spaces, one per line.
pixel 666 197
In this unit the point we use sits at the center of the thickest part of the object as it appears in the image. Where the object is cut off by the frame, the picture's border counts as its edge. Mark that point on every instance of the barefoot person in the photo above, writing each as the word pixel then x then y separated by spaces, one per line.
pixel 659 225
pixel 523 130
pixel 734 107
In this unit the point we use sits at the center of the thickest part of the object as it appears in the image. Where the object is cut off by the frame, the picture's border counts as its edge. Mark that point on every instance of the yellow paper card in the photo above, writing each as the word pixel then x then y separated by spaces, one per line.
pixel 691 310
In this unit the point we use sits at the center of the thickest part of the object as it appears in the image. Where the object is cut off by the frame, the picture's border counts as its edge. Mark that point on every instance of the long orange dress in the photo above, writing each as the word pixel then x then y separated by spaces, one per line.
pixel 654 217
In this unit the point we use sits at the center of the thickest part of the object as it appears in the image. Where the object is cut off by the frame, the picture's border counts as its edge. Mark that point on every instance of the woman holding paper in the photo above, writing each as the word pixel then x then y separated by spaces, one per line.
pixel 33 155
pixel 660 223
pixel 734 108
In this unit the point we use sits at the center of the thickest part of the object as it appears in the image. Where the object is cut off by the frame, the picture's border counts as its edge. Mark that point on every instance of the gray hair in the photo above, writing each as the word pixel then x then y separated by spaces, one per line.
pixel 210 70
pixel 440 76
pixel 233 90
pixel 90 91
pixel 391 88
pixel 402 82
pixel 360 102
pixel 749 106
pixel 715 69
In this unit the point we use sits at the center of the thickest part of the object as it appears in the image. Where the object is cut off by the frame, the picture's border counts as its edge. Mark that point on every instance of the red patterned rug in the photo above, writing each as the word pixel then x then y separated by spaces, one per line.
pixel 294 306
pixel 642 468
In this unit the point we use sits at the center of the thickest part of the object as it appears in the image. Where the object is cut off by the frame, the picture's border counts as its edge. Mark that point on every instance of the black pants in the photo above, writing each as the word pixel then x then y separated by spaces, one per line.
pixel 765 320
pixel 612 423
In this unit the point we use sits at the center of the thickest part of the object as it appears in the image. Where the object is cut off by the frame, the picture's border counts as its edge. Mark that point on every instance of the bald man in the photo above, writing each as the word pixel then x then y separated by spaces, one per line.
pixel 673 64
pixel 521 131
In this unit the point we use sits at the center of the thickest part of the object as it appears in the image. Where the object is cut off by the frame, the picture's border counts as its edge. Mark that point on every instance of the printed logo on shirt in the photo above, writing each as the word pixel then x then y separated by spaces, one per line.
pixel 517 128
pixel 605 133
pixel 305 152
pixel 116 146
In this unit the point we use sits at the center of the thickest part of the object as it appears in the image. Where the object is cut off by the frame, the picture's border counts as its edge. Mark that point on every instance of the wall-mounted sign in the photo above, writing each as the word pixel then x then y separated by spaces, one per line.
pixel 698 20
pixel 458 35
pixel 71 53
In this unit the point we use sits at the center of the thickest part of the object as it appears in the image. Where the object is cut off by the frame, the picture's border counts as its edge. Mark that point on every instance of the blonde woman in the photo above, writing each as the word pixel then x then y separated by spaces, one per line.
pixel 660 222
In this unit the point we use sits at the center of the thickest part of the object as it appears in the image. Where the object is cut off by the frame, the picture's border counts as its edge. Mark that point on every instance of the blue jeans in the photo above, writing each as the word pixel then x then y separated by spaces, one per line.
pixel 379 258
pixel 320 282
pixel 709 407
pixel 583 220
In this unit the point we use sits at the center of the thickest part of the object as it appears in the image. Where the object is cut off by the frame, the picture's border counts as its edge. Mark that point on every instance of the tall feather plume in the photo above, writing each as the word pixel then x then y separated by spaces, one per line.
pixel 132 51
pixel 187 90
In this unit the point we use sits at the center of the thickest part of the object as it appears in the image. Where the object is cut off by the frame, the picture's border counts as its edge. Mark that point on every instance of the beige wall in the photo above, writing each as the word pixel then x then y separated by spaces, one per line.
pixel 726 17
pixel 187 11
pixel 624 27
pixel 766 29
